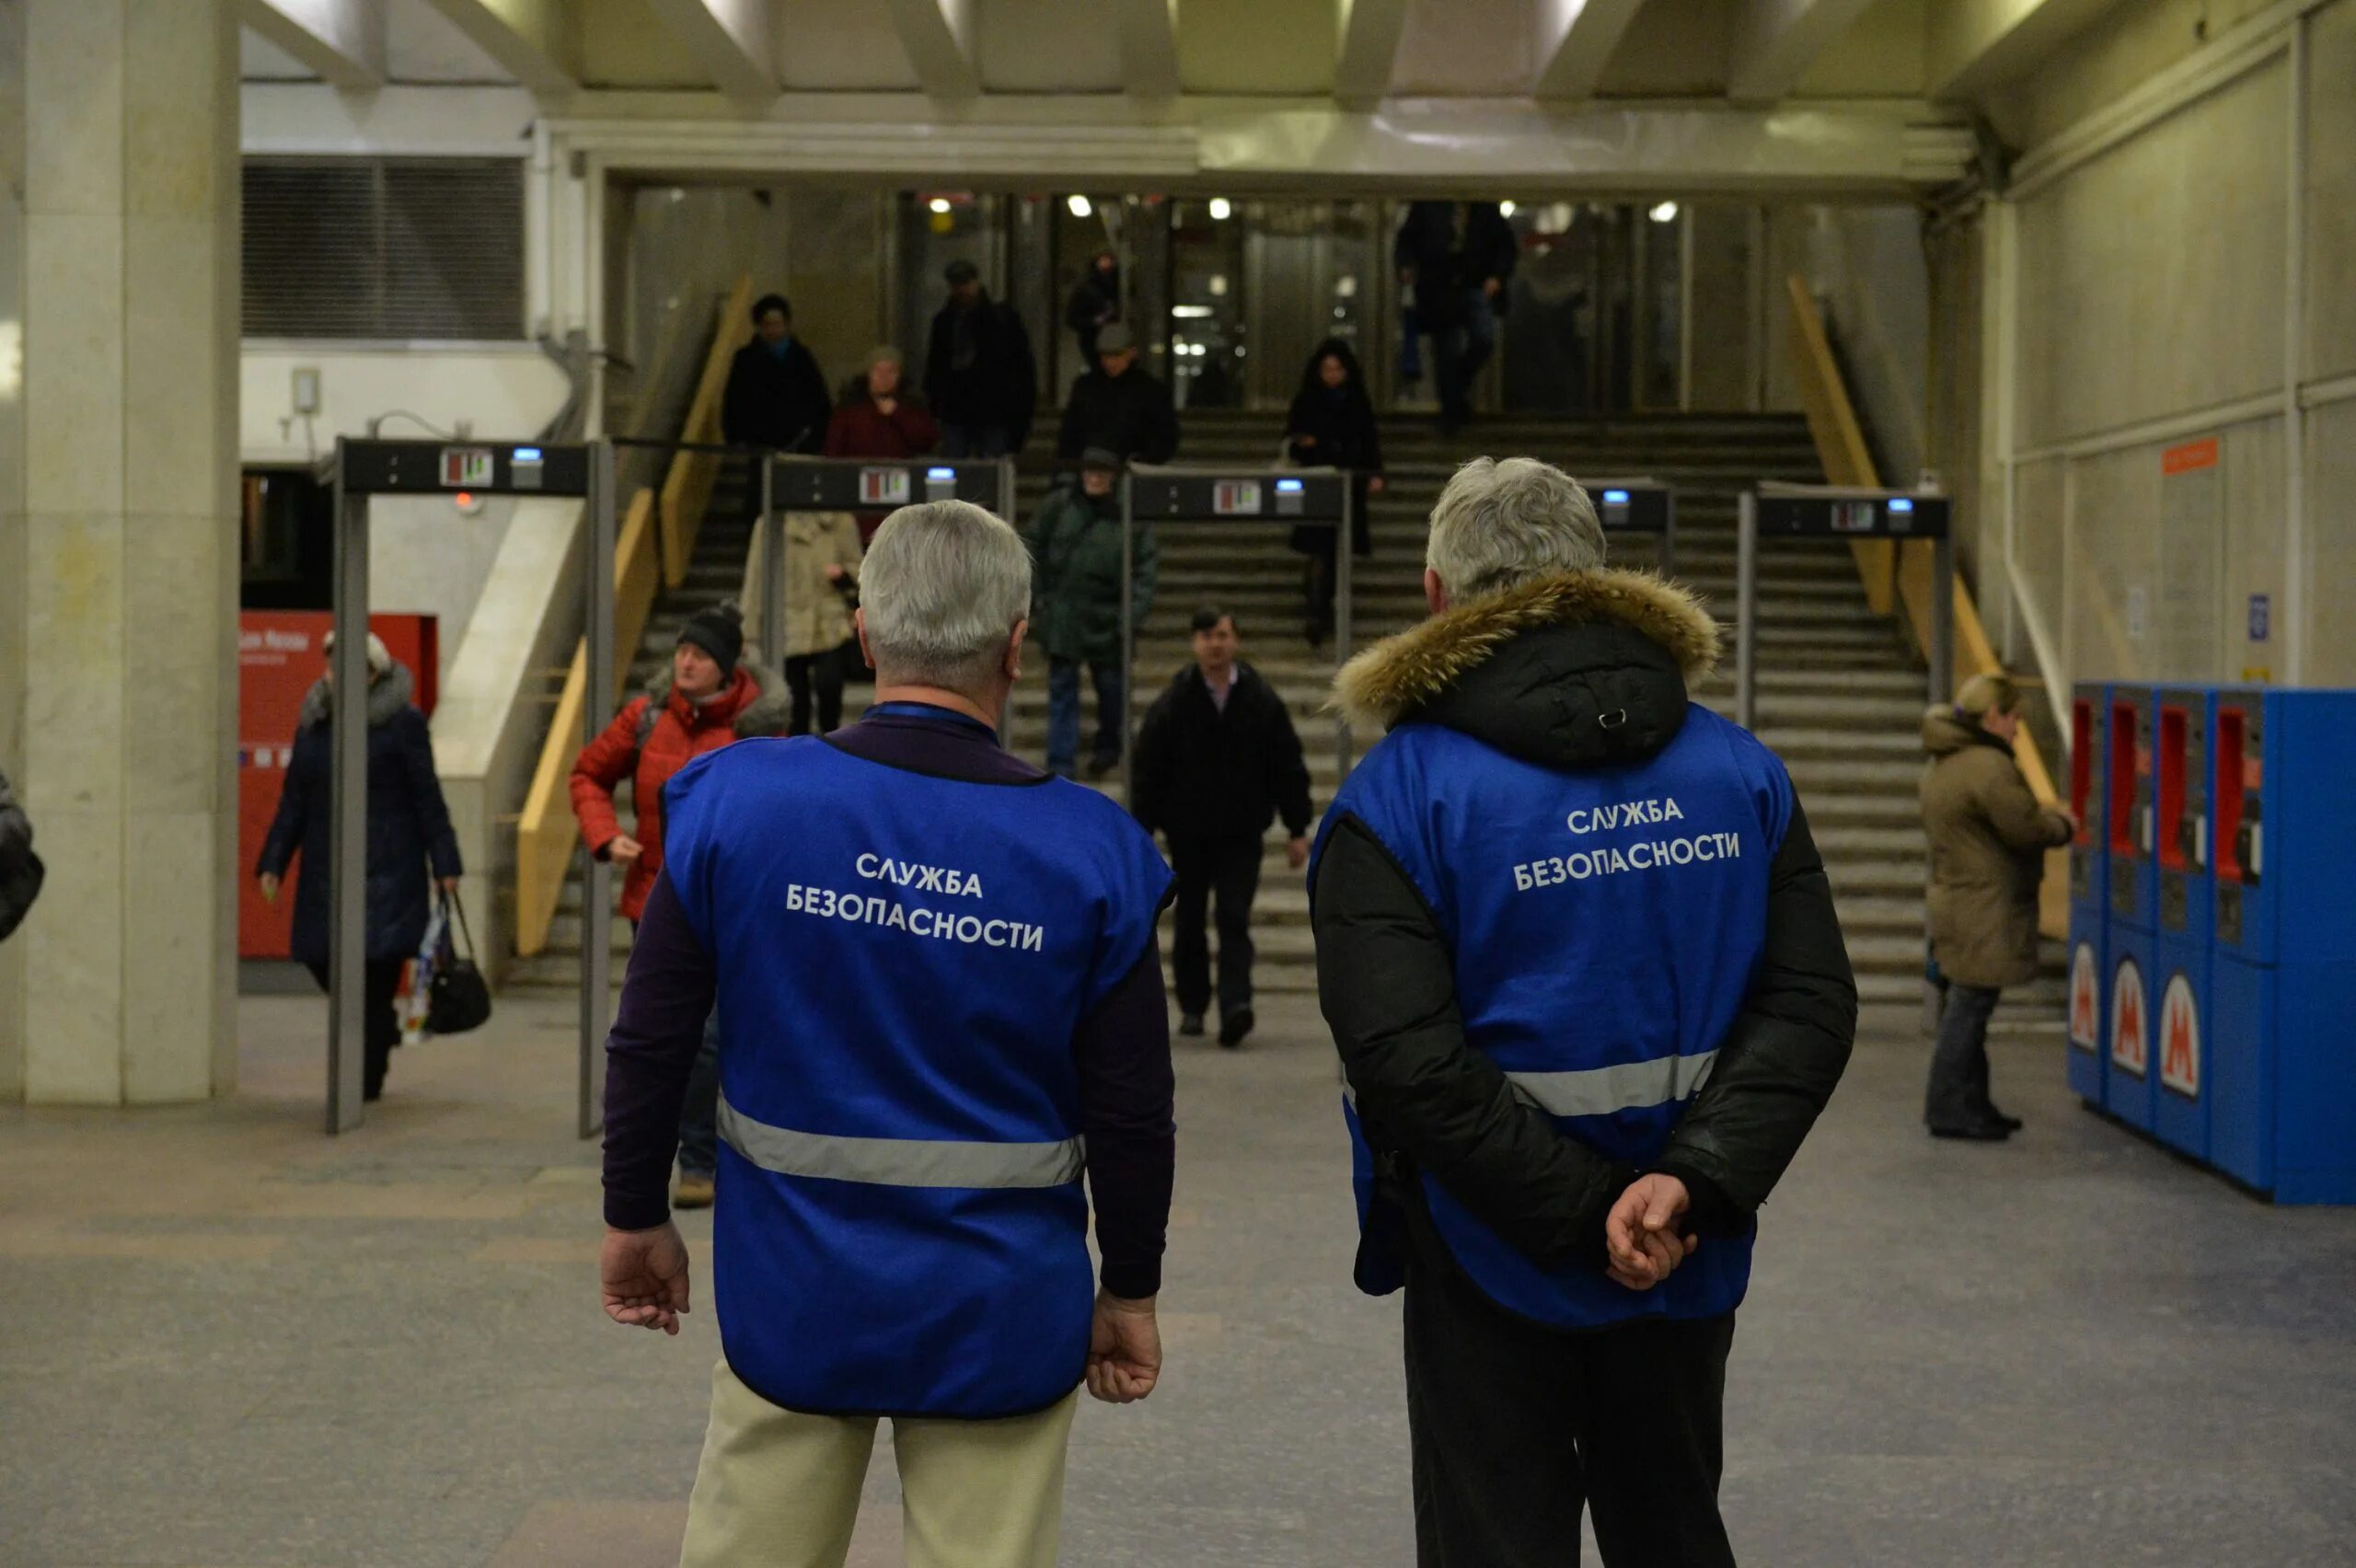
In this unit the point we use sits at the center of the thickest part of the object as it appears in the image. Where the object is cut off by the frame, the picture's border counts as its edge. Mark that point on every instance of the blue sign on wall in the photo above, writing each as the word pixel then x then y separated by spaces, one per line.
pixel 2261 616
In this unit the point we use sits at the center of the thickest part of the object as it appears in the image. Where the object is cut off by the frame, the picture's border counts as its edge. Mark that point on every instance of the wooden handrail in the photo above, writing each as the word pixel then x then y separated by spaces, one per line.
pixel 548 834
pixel 686 489
pixel 1898 576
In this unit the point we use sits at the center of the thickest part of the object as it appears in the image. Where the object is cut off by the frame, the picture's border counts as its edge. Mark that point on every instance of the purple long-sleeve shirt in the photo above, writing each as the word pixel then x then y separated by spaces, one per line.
pixel 1127 1087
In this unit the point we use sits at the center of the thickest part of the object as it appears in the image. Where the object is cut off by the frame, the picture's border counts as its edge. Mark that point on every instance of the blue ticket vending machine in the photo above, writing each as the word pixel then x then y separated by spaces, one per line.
pixel 2089 886
pixel 2134 899
pixel 2179 975
pixel 2282 1074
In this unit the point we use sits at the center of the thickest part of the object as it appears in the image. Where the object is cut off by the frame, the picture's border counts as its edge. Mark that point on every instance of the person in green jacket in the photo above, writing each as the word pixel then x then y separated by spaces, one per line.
pixel 1075 541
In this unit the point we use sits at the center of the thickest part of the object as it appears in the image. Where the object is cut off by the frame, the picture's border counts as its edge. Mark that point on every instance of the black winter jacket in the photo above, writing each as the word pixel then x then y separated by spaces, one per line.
pixel 978 369
pixel 775 400
pixel 21 869
pixel 408 824
pixel 1129 415
pixel 1578 672
pixel 1199 772
pixel 1346 436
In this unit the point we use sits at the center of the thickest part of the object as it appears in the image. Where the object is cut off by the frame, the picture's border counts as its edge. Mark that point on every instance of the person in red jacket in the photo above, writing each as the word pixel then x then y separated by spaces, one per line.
pixel 880 419
pixel 712 696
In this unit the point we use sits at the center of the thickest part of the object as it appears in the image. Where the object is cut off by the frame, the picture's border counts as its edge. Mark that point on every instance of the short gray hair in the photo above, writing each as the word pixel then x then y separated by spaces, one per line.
pixel 940 590
pixel 1503 522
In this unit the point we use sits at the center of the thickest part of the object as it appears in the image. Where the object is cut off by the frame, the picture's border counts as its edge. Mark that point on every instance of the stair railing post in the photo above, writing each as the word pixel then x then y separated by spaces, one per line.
pixel 348 810
pixel 597 704
pixel 1344 539
pixel 1746 613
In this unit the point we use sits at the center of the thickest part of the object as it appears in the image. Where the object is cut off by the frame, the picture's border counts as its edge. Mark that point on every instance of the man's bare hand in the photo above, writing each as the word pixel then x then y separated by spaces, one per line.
pixel 1641 1235
pixel 1124 1349
pixel 644 1275
pixel 1296 852
pixel 623 850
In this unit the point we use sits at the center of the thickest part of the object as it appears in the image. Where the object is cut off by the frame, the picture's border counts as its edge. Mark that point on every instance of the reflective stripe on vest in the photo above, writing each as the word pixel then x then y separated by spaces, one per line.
pixel 901 1162
pixel 1624 1086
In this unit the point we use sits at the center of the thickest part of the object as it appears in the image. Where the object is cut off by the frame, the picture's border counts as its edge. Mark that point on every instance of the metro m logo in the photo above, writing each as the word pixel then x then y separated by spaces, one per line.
pixel 2126 1044
pixel 2180 1038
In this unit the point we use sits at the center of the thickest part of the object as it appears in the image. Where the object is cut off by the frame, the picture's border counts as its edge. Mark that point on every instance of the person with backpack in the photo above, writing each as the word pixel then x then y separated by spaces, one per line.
pixel 711 695
pixel 21 869
pixel 408 832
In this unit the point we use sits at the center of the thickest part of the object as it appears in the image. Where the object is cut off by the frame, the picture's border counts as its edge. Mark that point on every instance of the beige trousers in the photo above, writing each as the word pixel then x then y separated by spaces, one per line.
pixel 780 1489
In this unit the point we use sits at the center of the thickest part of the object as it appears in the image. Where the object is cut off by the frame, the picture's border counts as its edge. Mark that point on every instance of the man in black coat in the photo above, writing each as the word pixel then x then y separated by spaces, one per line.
pixel 1216 761
pixel 979 373
pixel 777 396
pixel 1459 258
pixel 1580 960
pixel 1119 407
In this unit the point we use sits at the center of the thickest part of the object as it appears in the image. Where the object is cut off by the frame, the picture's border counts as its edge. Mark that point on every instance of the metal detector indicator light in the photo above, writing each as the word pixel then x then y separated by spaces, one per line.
pixel 1238 498
pixel 527 468
pixel 470 468
pixel 940 484
pixel 885 487
pixel 1901 514
pixel 1615 508
pixel 1290 495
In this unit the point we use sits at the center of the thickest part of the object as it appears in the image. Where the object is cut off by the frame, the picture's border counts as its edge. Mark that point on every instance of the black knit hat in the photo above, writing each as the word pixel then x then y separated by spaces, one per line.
pixel 719 631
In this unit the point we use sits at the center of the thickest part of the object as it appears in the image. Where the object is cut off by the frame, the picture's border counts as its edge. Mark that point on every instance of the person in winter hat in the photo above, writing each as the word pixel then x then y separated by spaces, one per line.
pixel 711 696
pixel 408 832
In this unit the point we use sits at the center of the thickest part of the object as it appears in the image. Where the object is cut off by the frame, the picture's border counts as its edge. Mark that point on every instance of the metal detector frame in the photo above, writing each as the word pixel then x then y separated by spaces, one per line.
pixel 922 474
pixel 364 469
pixel 1639 494
pixel 1343 522
pixel 1927 515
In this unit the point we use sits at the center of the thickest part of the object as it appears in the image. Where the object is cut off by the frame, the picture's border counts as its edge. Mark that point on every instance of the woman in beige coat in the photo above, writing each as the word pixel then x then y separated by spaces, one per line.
pixel 1987 837
pixel 821 581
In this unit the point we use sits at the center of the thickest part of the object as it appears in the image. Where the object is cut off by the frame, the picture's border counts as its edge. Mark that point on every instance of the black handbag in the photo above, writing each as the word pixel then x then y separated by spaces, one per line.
pixel 459 999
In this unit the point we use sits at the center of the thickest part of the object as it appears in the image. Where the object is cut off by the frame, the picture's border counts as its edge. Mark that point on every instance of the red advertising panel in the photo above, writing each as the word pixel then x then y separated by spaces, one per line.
pixel 278 659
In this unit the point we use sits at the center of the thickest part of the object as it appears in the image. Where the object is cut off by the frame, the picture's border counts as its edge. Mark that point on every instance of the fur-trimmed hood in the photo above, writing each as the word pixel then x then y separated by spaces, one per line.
pixel 388 696
pixel 1577 669
pixel 768 710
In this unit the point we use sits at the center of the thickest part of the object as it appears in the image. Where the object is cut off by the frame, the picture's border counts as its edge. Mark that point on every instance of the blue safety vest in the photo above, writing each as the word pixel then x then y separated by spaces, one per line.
pixel 1605 926
pixel 903 962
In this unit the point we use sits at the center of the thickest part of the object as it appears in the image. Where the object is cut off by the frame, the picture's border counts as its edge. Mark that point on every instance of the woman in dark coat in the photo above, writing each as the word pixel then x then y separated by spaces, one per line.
pixel 408 826
pixel 1332 426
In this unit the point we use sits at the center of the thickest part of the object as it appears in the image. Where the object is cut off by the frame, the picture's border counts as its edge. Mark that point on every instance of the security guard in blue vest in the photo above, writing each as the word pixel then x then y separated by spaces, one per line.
pixel 1580 959
pixel 940 1006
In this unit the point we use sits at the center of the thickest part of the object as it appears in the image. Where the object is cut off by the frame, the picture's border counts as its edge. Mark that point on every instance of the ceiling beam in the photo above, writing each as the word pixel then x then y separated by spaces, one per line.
pixel 1970 46
pixel 939 37
pixel 1776 40
pixel 341 41
pixel 731 40
pixel 535 41
pixel 1149 33
pixel 1575 39
pixel 1369 44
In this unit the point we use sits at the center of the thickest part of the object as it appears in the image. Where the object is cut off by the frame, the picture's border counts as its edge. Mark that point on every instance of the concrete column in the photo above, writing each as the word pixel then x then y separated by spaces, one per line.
pixel 118 622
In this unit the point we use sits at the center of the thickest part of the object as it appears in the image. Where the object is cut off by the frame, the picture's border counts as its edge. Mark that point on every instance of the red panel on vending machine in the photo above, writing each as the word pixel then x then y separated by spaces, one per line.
pixel 279 658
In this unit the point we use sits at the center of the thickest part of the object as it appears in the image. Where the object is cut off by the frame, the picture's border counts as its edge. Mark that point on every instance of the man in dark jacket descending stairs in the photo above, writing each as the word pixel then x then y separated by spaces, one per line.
pixel 1217 760
pixel 1581 962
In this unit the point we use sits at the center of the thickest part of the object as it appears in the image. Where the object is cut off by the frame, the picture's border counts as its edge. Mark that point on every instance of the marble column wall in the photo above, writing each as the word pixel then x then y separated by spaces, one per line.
pixel 125 606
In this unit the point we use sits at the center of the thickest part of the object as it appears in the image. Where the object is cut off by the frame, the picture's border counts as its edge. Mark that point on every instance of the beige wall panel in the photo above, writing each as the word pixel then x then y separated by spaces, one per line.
pixel 1880 56
pixel 1725 295
pixel 1048 46
pixel 2330 574
pixel 839 46
pixel 2135 42
pixel 2331 191
pixel 2152 278
pixel 624 44
pixel 2109 600
pixel 2255 535
pixel 1674 48
pixel 1257 46
pixel 1466 48
pixel 2040 558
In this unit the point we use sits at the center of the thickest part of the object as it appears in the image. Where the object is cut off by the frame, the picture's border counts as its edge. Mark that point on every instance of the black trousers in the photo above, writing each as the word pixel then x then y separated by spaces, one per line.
pixel 823 671
pixel 1228 869
pixel 380 988
pixel 1516 1426
pixel 1957 1095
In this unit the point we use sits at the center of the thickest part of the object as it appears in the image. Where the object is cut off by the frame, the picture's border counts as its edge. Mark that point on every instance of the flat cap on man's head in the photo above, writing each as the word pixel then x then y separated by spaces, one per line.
pixel 1115 339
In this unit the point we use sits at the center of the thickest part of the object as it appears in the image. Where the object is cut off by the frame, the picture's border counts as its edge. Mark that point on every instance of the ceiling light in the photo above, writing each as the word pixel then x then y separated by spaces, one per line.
pixel 1504 209
pixel 938 204
pixel 1219 209
pixel 1666 213
pixel 1078 206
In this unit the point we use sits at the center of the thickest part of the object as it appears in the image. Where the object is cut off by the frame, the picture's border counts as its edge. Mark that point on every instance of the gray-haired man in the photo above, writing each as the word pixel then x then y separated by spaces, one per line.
pixel 940 1006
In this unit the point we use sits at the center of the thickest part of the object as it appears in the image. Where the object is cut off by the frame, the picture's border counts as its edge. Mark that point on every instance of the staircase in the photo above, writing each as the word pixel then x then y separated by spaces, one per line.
pixel 716 571
pixel 1841 697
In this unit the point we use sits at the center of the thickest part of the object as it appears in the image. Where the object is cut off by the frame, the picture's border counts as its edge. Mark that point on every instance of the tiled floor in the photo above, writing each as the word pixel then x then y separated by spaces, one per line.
pixel 226 1339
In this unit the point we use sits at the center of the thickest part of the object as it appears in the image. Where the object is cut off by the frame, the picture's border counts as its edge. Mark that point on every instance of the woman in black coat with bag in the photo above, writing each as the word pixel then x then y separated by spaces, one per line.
pixel 409 829
pixel 1332 426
